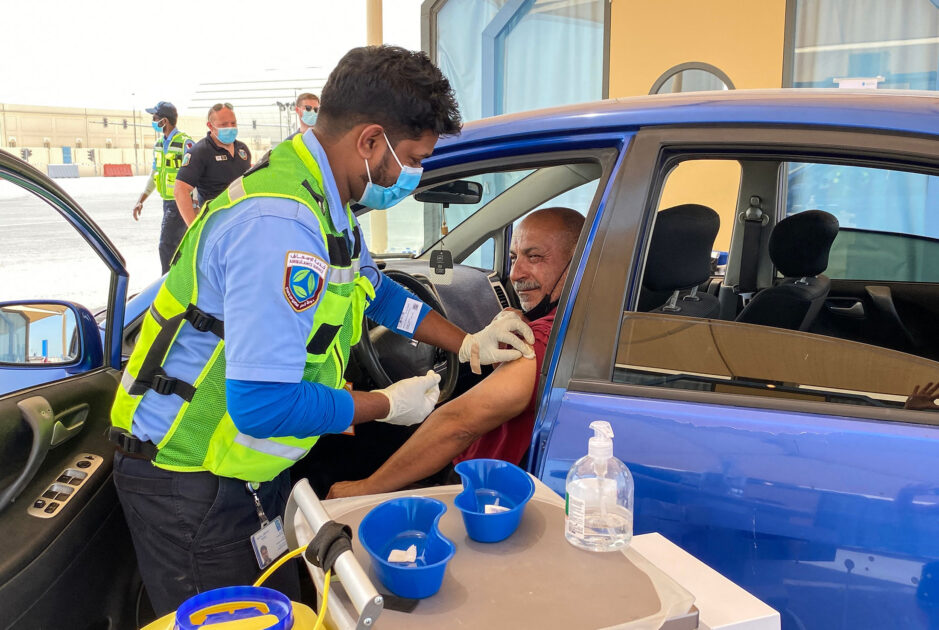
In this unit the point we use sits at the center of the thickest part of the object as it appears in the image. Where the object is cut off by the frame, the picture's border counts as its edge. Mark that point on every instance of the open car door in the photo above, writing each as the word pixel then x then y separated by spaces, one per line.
pixel 66 558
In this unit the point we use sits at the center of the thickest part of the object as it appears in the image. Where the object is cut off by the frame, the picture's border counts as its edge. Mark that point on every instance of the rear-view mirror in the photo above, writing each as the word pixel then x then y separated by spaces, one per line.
pixel 460 191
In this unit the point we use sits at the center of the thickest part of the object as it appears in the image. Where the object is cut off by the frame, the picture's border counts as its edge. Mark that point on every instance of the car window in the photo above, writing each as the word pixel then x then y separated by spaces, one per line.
pixel 44 262
pixel 859 343
pixel 43 256
pixel 713 183
pixel 411 227
pixel 483 256
pixel 578 199
pixel 889 219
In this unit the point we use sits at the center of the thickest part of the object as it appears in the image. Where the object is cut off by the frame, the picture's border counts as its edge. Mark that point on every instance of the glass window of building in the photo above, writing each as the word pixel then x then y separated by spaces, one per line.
pixel 505 56
pixel 867 44
pixel 893 44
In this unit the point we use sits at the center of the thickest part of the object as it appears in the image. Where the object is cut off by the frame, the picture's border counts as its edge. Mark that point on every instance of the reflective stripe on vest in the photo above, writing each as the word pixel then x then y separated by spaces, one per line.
pixel 270 447
pixel 202 436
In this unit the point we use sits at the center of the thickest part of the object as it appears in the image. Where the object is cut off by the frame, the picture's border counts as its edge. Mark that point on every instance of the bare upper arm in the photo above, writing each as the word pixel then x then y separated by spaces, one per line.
pixel 182 186
pixel 497 398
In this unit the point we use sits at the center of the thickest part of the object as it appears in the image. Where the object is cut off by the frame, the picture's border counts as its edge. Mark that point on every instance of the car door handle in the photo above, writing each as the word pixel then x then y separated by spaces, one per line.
pixel 68 424
pixel 37 413
pixel 856 310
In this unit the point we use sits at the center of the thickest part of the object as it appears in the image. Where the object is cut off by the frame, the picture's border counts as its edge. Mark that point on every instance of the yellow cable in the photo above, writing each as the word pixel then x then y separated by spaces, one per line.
pixel 293 554
pixel 279 563
pixel 322 613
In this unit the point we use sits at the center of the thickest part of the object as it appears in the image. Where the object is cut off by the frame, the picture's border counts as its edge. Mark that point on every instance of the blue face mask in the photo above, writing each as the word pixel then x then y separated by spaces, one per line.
pixel 227 135
pixel 381 197
pixel 157 126
pixel 309 118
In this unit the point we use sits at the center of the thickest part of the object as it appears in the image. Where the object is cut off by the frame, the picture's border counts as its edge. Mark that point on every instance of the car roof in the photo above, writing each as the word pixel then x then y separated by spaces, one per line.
pixel 906 111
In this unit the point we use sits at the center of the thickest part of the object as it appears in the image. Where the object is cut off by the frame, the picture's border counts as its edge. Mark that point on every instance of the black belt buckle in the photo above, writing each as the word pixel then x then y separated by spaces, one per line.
pixel 125 441
pixel 131 445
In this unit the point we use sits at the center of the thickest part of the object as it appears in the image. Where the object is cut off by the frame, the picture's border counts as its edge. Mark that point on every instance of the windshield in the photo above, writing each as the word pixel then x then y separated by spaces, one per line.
pixel 412 227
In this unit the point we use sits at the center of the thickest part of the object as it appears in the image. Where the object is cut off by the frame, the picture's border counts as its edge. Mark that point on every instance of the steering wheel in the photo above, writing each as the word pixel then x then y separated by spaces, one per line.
pixel 388 357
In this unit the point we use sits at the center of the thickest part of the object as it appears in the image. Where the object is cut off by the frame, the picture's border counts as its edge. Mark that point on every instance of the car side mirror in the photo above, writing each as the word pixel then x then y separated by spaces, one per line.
pixel 460 191
pixel 34 335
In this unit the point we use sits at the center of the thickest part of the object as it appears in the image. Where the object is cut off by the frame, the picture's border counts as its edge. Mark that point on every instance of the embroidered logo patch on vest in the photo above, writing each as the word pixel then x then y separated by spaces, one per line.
pixel 304 278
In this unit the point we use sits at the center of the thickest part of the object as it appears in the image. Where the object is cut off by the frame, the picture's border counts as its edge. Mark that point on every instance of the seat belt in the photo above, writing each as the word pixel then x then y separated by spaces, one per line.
pixel 753 220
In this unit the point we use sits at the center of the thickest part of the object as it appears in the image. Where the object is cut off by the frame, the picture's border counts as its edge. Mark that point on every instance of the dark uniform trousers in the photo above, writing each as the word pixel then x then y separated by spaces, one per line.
pixel 192 530
pixel 171 233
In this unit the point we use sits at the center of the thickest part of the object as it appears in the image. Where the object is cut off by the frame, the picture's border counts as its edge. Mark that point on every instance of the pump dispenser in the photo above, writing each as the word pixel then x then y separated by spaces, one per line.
pixel 599 505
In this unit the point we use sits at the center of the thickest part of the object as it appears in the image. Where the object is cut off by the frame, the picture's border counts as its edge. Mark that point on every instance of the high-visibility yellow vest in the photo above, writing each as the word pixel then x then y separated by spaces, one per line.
pixel 168 162
pixel 202 436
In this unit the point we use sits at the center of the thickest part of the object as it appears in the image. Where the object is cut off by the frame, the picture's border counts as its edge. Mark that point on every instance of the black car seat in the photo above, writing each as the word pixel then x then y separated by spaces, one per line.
pixel 680 259
pixel 799 247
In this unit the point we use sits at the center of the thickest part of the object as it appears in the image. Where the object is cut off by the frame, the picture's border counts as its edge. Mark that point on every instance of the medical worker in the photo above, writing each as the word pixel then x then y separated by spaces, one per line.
pixel 240 360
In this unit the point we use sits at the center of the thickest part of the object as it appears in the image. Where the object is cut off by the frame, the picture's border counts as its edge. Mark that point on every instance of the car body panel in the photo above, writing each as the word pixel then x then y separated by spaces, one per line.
pixel 723 481
pixel 895 111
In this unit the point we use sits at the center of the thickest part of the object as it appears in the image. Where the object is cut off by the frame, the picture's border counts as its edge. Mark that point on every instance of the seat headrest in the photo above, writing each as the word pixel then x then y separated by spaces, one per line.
pixel 800 243
pixel 680 250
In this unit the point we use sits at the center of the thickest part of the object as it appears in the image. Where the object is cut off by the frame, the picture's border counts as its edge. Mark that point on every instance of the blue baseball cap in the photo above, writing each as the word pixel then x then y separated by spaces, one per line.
pixel 162 109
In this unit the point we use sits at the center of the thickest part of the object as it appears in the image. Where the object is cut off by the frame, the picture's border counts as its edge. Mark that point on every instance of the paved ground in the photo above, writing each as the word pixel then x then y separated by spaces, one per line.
pixel 41 256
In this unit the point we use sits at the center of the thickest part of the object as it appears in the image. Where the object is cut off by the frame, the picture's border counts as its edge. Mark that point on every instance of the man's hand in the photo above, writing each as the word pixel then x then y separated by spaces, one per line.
pixel 507 327
pixel 923 399
pixel 342 489
pixel 412 399
pixel 137 210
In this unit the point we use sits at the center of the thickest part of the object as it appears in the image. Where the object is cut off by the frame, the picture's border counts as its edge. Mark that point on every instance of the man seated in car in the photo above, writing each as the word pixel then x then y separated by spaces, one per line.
pixel 495 418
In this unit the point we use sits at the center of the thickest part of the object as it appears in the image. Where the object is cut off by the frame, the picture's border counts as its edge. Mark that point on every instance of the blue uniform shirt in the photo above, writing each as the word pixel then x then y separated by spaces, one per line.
pixel 241 274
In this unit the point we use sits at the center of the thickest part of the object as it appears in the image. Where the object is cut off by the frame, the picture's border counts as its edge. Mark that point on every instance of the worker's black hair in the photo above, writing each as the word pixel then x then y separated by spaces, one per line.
pixel 401 90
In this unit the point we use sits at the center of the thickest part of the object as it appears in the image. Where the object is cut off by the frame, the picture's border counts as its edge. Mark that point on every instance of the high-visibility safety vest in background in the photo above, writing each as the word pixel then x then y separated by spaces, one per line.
pixel 202 436
pixel 168 162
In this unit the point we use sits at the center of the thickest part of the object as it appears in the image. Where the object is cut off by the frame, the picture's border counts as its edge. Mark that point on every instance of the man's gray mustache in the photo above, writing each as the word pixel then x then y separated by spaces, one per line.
pixel 526 286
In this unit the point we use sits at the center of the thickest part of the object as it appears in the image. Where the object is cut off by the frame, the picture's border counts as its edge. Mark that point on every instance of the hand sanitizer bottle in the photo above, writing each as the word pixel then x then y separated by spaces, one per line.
pixel 599 505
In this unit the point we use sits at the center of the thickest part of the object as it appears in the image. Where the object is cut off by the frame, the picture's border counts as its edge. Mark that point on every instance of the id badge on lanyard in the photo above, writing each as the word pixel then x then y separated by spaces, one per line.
pixel 269 542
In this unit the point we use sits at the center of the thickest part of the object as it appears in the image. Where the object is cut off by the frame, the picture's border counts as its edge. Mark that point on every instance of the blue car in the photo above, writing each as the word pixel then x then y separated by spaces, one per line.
pixel 778 412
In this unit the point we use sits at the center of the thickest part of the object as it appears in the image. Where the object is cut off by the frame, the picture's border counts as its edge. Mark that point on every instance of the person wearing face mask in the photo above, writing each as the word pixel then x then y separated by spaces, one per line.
pixel 307 109
pixel 214 162
pixel 169 151
pixel 495 418
pixel 239 367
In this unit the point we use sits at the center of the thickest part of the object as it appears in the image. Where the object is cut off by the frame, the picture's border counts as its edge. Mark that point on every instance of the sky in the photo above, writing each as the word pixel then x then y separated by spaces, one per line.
pixel 131 54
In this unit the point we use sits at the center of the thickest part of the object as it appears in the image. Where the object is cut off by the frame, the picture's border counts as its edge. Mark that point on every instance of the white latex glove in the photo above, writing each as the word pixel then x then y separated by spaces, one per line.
pixel 482 348
pixel 412 399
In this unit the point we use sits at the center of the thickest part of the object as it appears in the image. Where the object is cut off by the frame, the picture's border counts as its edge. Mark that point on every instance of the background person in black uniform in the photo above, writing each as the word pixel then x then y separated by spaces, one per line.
pixel 214 162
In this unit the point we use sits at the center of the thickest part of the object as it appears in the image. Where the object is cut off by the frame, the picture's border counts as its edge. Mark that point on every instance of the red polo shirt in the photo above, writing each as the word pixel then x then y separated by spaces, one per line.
pixel 510 440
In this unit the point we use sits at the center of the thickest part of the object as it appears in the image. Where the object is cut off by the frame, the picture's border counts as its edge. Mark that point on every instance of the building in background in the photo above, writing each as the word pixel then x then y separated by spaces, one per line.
pixel 87 139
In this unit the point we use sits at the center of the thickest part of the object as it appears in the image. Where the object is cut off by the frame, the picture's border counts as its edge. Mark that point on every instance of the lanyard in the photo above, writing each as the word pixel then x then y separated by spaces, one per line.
pixel 257 503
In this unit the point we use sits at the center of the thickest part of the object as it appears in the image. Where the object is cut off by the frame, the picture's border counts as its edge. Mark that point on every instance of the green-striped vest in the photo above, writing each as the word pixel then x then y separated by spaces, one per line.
pixel 168 163
pixel 202 436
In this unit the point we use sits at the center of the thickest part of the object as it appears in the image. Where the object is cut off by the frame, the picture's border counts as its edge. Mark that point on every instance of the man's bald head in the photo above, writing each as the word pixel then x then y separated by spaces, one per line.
pixel 542 246
pixel 565 223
